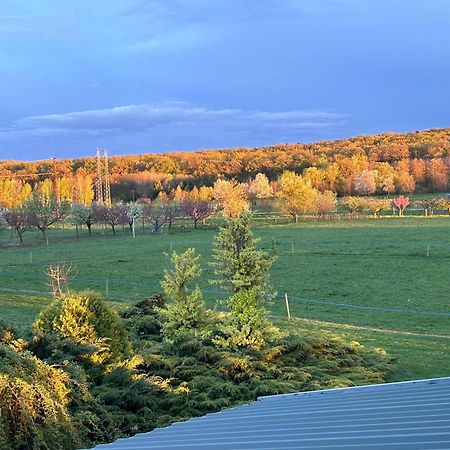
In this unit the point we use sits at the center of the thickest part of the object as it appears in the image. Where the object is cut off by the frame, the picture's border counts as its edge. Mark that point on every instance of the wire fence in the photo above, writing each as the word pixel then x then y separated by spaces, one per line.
pixel 37 285
pixel 47 254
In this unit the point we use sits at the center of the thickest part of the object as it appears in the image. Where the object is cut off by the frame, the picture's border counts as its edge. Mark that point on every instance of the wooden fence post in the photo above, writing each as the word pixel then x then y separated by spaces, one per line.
pixel 287 306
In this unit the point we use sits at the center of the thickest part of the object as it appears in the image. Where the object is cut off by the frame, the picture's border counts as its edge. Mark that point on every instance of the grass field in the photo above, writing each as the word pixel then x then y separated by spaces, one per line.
pixel 387 274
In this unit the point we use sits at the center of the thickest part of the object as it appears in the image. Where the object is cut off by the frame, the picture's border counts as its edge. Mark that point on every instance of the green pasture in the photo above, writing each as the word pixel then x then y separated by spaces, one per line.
pixel 388 274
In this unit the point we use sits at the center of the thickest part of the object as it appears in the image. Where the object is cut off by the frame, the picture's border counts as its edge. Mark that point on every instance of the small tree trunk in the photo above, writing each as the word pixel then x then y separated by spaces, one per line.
pixel 296 218
pixel 78 233
pixel 113 229
pixel 133 230
pixel 89 225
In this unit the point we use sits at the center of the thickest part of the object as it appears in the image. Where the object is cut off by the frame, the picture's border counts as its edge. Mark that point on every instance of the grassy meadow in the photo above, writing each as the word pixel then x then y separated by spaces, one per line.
pixel 382 282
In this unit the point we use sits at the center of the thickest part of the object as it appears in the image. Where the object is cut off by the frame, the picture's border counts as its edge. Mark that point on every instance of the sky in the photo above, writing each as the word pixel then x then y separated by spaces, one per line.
pixel 139 76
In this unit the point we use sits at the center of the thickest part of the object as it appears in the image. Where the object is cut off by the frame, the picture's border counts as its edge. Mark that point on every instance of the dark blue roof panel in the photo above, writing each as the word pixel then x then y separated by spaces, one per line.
pixel 408 415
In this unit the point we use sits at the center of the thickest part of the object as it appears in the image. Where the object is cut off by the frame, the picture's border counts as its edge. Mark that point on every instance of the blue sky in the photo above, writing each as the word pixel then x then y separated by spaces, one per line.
pixel 162 75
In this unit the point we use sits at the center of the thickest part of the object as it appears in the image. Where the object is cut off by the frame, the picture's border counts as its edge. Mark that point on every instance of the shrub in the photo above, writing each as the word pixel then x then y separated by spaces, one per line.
pixel 84 318
pixel 142 320
pixel 34 400
pixel 247 324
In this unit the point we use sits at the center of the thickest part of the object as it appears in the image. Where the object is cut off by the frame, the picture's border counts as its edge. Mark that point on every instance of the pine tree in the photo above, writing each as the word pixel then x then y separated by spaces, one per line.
pixel 242 270
pixel 239 265
pixel 186 313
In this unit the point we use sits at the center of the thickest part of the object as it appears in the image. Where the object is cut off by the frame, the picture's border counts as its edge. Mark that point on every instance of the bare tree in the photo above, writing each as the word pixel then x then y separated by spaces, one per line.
pixel 155 214
pixel 59 278
pixel 45 211
pixel 171 211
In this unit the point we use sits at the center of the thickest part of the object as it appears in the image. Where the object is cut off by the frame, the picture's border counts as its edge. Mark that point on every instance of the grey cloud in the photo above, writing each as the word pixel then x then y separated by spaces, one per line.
pixel 143 117
pixel 168 126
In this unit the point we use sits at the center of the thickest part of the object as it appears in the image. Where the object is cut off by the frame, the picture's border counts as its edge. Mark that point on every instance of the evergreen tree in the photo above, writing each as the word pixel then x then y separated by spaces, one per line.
pixel 247 325
pixel 186 313
pixel 243 270
pixel 239 265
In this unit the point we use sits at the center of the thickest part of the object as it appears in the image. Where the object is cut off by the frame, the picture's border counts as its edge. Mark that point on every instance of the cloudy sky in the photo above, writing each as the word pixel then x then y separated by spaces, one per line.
pixel 160 75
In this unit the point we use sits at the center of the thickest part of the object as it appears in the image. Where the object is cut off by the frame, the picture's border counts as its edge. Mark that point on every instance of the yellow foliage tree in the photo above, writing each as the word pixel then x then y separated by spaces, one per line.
pixel 260 187
pixel 178 193
pixel 232 197
pixel 44 190
pixel 83 189
pixel 13 193
pixel 65 189
pixel 295 194
pixel 205 193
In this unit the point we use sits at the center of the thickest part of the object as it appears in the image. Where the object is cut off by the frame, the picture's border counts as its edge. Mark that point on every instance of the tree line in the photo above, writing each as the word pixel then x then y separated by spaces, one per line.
pixel 399 163
pixel 291 194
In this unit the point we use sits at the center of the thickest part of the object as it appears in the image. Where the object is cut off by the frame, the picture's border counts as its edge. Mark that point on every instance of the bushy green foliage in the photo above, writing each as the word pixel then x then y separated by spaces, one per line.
pixel 86 319
pixel 188 376
pixel 186 313
pixel 163 380
pixel 213 377
pixel 10 336
pixel 143 319
pixel 238 264
pixel 247 324
pixel 34 400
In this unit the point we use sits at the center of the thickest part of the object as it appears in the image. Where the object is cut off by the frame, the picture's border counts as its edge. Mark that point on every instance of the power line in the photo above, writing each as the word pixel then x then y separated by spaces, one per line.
pixel 34 175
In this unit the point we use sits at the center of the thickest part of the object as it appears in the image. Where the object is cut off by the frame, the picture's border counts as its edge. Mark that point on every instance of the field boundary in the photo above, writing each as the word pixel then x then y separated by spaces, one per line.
pixel 361 327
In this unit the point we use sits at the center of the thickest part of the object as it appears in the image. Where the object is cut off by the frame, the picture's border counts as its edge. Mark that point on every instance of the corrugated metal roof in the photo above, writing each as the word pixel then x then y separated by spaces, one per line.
pixel 408 415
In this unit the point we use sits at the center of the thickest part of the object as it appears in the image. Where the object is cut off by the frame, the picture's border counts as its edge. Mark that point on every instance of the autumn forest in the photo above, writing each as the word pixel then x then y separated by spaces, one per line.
pixel 389 163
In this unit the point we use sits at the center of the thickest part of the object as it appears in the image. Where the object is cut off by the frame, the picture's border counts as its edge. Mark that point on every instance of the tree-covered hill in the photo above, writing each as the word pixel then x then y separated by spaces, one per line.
pixel 409 162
